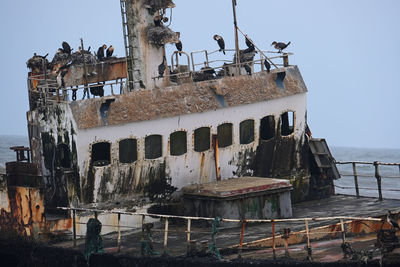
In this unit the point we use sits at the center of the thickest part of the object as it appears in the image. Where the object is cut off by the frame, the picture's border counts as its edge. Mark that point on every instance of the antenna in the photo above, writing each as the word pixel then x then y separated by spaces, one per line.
pixel 236 36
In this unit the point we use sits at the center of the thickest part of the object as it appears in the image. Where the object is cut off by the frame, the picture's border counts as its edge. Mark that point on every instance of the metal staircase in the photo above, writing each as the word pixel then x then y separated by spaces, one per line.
pixel 132 50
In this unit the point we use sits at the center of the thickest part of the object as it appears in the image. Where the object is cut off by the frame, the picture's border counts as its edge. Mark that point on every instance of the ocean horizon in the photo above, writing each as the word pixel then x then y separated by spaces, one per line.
pixel 390 174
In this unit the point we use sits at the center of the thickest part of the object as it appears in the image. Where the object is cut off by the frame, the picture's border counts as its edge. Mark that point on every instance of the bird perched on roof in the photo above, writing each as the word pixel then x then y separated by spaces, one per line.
pixel 100 52
pixel 280 46
pixel 220 42
pixel 110 51
pixel 391 220
pixel 158 20
pixel 267 65
pixel 161 67
pixel 247 68
pixel 66 48
pixel 179 47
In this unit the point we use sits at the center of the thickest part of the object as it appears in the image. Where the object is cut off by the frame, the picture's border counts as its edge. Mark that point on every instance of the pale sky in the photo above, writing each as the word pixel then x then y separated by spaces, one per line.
pixel 347 51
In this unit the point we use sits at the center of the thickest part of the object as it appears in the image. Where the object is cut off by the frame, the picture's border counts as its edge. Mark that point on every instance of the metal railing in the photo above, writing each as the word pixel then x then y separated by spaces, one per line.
pixel 342 222
pixel 377 176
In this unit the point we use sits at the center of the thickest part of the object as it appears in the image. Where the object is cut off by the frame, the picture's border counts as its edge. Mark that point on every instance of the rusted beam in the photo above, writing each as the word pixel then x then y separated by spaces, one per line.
pixel 378 179
pixel 74 226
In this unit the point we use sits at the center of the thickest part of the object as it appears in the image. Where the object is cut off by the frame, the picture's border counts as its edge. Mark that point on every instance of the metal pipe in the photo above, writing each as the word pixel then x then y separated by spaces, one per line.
pixel 241 238
pixel 343 231
pixel 189 222
pixel 74 226
pixel 119 232
pixel 273 238
pixel 166 236
pixel 378 180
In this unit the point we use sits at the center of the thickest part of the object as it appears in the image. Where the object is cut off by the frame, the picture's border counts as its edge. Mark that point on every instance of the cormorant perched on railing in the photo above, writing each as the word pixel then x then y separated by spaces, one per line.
pixel 280 46
pixel 391 220
pixel 66 48
pixel 267 65
pixel 100 52
pixel 161 67
pixel 220 42
pixel 110 51
pixel 179 47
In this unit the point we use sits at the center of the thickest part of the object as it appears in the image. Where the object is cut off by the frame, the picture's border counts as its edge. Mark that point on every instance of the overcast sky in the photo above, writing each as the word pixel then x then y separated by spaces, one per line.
pixel 347 51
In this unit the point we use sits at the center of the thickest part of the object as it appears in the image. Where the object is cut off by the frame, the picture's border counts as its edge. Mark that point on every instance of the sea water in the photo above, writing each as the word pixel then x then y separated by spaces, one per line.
pixel 388 173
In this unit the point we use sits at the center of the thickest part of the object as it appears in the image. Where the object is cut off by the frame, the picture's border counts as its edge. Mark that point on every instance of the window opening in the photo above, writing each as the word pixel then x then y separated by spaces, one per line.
pixel 287 123
pixel 202 139
pixel 280 76
pixel 267 127
pixel 178 143
pixel 153 146
pixel 101 155
pixel 128 150
pixel 246 132
pixel 224 134
pixel 63 156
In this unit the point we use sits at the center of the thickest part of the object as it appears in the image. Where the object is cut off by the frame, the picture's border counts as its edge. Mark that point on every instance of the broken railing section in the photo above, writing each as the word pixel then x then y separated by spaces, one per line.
pixel 343 225
pixel 377 176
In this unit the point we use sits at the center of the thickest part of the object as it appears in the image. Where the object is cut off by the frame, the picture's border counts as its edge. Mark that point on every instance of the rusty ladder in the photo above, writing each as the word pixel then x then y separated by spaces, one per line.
pixel 134 76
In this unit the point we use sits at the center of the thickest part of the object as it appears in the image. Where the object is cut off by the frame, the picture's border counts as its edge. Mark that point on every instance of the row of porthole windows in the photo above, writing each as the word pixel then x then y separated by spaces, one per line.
pixel 101 154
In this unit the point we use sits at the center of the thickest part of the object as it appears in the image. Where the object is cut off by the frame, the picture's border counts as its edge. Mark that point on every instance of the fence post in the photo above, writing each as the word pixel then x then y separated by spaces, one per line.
pixel 165 236
pixel 355 179
pixel 378 179
pixel 309 252
pixel 189 222
pixel 119 232
pixel 273 239
pixel 343 231
pixel 74 225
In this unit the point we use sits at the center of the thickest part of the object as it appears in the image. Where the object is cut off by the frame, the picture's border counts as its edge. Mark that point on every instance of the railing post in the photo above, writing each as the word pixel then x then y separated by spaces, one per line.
pixel 285 59
pixel 74 225
pixel 166 236
pixel 119 232
pixel 241 238
pixel 343 231
pixel 355 179
pixel 273 238
pixel 189 222
pixel 309 251
pixel 378 179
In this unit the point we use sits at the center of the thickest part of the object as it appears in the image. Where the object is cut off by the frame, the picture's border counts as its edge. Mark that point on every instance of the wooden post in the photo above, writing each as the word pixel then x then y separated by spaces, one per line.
pixel 236 37
pixel 119 232
pixel 343 231
pixel 309 251
pixel 378 179
pixel 241 238
pixel 165 236
pixel 74 225
pixel 273 238
pixel 189 222
pixel 355 179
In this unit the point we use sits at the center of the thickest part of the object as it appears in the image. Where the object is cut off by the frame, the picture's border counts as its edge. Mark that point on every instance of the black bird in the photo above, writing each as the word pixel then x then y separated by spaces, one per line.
pixel 66 48
pixel 249 43
pixel 220 42
pixel 179 47
pixel 247 68
pixel 110 51
pixel 161 68
pixel 391 220
pixel 280 46
pixel 100 52
pixel 158 20
pixel 267 65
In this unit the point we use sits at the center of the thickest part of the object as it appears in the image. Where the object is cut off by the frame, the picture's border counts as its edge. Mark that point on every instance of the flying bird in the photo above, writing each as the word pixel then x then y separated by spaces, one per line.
pixel 280 46
pixel 179 47
pixel 391 220
pixel 100 52
pixel 110 51
pixel 161 67
pixel 220 42
pixel 267 65
pixel 66 48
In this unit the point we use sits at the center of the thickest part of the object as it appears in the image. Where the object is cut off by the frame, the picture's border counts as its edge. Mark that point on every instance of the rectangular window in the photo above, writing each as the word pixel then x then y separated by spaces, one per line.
pixel 224 134
pixel 178 143
pixel 246 132
pixel 101 154
pixel 287 123
pixel 128 150
pixel 267 127
pixel 153 146
pixel 202 139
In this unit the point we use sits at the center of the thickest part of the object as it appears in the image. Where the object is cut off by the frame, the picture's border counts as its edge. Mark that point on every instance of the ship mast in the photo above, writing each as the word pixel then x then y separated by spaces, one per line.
pixel 236 36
